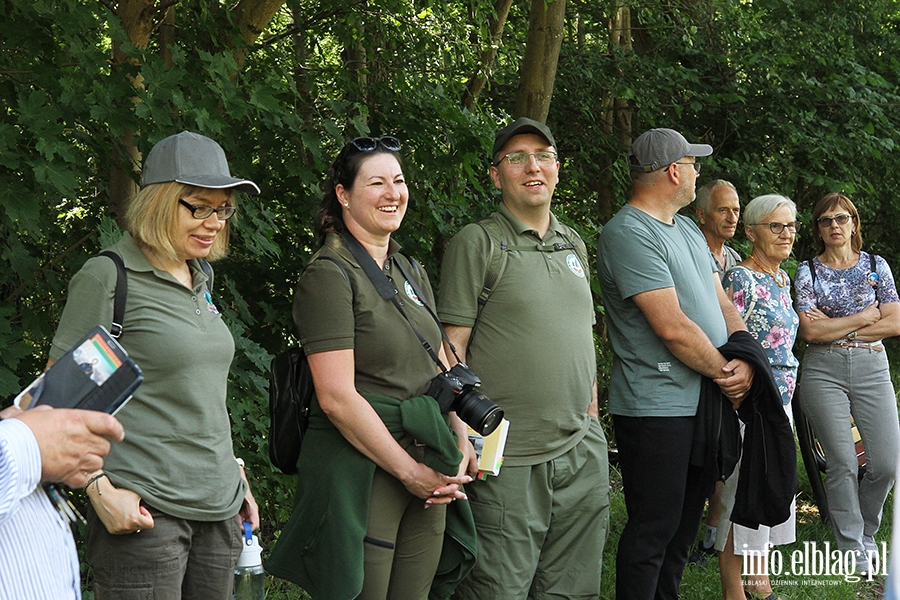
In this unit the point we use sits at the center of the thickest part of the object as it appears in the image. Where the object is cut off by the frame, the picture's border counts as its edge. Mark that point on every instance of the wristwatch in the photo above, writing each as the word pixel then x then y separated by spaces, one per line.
pixel 851 335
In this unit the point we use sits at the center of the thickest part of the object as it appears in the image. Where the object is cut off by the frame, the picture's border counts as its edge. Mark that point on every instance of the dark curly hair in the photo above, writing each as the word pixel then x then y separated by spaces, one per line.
pixel 343 171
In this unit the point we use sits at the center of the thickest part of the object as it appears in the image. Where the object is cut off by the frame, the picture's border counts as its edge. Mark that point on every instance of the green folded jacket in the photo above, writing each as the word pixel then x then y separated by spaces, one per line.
pixel 321 546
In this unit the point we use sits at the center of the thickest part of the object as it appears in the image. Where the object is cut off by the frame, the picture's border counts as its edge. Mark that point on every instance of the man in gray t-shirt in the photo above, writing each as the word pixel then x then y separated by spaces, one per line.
pixel 667 314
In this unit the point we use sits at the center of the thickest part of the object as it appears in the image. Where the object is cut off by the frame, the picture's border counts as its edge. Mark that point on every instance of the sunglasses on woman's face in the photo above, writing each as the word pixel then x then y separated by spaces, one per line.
pixel 368 144
pixel 841 219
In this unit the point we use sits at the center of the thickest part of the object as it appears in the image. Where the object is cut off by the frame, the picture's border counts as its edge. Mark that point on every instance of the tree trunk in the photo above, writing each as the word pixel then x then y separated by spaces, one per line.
pixel 356 65
pixel 538 70
pixel 138 20
pixel 167 36
pixel 303 104
pixel 616 115
pixel 477 82
pixel 252 16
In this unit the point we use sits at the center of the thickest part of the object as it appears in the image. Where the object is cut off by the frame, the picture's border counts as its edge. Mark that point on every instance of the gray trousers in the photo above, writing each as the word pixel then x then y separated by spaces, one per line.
pixel 836 383
pixel 177 559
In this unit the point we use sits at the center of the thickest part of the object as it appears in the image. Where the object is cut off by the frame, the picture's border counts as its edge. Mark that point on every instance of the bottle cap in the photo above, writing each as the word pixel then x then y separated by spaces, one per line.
pixel 251 555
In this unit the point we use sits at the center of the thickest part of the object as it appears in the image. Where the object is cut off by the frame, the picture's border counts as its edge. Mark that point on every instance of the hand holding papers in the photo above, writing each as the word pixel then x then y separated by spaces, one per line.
pixel 489 449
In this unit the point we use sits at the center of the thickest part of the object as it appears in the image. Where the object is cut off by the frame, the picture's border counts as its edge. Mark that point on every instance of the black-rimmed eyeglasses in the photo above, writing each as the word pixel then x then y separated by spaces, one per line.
pixel 204 211
pixel 841 219
pixel 368 144
pixel 777 228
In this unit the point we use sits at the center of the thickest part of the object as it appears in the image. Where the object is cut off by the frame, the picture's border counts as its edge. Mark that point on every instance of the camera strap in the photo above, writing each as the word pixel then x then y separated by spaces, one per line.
pixel 387 290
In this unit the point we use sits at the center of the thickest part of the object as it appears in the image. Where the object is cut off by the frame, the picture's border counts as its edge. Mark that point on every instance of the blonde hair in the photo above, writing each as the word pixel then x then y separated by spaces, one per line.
pixel 152 218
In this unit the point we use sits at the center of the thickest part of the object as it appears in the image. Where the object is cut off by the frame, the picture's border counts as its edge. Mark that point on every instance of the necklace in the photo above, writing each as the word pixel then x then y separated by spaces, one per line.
pixel 779 277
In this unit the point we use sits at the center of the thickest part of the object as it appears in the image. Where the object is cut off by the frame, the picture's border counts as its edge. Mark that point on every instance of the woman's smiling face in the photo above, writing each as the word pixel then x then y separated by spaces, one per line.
pixel 378 200
pixel 195 236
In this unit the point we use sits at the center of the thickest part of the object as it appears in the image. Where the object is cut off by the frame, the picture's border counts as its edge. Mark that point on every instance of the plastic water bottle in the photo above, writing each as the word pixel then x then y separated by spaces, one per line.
pixel 249 576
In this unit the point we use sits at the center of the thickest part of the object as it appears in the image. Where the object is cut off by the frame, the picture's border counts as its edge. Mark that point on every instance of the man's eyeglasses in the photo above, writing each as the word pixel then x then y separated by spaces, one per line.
pixel 367 144
pixel 545 158
pixel 696 165
pixel 841 219
pixel 203 211
pixel 777 228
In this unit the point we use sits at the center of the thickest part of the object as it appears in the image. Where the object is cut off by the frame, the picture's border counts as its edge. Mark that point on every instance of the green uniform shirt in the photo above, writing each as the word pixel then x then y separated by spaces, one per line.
pixel 636 254
pixel 177 452
pixel 389 358
pixel 533 347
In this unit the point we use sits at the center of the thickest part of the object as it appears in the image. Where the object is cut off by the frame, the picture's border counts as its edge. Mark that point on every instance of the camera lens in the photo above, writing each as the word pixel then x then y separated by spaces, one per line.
pixel 479 412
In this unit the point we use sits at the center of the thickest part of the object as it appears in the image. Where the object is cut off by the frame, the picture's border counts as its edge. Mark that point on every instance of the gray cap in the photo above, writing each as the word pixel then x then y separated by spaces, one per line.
pixel 520 126
pixel 192 159
pixel 659 148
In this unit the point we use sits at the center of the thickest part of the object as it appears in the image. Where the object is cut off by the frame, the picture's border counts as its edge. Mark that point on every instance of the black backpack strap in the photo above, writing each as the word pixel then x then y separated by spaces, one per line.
pixel 121 294
pixel 207 270
pixel 873 272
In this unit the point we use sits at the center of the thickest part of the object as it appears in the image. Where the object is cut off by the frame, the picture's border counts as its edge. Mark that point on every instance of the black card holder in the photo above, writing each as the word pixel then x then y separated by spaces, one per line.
pixel 95 374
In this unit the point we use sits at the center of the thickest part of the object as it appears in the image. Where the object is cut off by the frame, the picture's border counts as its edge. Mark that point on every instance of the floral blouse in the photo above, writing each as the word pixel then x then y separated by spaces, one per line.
pixel 769 315
pixel 844 292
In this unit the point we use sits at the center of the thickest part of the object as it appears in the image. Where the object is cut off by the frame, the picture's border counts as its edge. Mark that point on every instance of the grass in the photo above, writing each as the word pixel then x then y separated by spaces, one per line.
pixel 702 582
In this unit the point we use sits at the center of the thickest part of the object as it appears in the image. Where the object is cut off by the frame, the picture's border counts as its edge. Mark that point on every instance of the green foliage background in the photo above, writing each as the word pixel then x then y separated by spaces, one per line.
pixel 798 97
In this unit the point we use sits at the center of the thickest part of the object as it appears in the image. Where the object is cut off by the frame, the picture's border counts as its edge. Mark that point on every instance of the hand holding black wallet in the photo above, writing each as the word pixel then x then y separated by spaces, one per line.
pixel 96 374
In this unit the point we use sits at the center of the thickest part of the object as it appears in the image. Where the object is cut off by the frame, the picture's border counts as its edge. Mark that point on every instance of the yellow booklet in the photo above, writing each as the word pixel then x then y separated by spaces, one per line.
pixel 490 449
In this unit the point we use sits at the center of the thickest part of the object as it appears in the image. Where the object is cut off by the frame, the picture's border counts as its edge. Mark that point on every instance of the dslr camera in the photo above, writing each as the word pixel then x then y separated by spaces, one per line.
pixel 456 390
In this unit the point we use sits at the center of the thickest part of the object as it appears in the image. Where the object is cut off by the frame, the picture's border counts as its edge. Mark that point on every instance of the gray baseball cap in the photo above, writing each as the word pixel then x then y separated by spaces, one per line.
pixel 192 159
pixel 520 126
pixel 659 148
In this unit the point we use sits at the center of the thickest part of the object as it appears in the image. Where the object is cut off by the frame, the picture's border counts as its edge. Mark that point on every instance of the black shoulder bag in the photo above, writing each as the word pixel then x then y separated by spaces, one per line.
pixel 291 392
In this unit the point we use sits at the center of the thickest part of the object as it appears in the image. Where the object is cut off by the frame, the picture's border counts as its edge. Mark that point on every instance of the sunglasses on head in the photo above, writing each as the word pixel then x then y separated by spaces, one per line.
pixel 368 144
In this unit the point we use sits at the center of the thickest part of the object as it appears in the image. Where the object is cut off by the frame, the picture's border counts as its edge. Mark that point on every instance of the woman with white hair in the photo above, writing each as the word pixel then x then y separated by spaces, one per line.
pixel 761 292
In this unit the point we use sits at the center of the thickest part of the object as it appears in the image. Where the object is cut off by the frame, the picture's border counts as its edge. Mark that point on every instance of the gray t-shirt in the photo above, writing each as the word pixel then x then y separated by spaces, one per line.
pixel 637 253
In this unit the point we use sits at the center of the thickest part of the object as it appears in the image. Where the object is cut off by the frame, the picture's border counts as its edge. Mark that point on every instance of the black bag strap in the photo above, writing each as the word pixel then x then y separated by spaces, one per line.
pixel 121 293
pixel 387 290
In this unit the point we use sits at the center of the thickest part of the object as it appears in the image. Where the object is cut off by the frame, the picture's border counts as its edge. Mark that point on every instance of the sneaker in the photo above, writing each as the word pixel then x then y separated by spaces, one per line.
pixel 700 554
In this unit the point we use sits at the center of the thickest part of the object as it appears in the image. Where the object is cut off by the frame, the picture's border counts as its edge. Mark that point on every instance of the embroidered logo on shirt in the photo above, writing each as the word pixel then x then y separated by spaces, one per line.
pixel 412 294
pixel 575 265
pixel 664 367
pixel 209 303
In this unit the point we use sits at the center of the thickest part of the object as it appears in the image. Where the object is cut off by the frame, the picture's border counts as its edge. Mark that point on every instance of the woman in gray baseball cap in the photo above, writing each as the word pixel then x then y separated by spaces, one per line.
pixel 165 514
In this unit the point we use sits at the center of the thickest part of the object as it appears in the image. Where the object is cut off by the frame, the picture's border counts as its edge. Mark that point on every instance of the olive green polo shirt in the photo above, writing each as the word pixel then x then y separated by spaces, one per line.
pixel 333 314
pixel 177 452
pixel 534 346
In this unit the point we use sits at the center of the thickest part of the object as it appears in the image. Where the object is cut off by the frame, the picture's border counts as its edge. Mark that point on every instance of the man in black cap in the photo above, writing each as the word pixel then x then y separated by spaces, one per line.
pixel 667 314
pixel 516 301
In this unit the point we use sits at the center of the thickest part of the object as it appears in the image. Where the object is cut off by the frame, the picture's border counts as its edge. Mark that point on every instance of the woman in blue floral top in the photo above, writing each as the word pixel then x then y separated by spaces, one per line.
pixel 847 306
pixel 761 292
